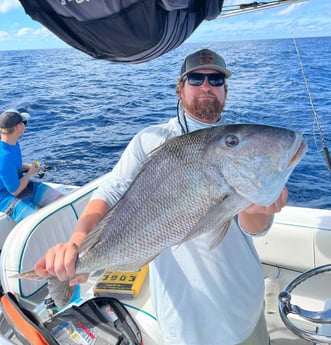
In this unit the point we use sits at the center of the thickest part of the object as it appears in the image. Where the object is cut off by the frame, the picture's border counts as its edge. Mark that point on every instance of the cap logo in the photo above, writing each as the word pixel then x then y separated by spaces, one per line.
pixel 206 58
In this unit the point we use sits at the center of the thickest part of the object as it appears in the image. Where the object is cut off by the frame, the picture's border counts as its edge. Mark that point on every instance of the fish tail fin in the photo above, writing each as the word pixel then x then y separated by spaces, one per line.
pixel 27 275
pixel 60 291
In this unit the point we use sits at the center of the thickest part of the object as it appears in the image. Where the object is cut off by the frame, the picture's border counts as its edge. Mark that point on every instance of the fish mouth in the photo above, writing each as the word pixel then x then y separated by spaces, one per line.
pixel 298 154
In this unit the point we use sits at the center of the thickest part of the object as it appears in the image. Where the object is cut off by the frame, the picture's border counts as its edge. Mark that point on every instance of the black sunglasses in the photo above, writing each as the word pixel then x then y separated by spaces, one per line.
pixel 25 122
pixel 197 79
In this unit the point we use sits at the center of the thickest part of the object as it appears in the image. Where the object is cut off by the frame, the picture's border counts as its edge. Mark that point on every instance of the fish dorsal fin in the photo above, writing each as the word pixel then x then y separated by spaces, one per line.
pixel 91 239
pixel 98 233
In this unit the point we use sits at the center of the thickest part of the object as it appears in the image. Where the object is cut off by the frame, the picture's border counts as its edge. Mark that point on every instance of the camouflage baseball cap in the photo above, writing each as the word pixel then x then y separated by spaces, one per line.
pixel 204 58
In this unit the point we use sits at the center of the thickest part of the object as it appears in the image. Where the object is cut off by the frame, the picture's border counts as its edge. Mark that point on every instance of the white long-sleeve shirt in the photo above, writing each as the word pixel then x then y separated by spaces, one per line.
pixel 200 296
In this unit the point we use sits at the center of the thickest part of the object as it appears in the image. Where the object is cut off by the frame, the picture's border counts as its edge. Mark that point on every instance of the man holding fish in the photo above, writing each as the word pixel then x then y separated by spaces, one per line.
pixel 201 296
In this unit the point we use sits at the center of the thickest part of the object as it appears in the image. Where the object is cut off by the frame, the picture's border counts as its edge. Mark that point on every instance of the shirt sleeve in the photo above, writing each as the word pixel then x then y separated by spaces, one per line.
pixel 8 173
pixel 130 163
pixel 258 234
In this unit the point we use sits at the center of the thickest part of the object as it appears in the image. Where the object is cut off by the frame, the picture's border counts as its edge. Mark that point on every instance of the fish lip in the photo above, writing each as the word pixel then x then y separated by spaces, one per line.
pixel 300 150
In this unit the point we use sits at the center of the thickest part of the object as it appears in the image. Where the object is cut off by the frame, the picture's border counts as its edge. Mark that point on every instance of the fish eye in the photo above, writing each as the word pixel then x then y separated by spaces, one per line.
pixel 231 140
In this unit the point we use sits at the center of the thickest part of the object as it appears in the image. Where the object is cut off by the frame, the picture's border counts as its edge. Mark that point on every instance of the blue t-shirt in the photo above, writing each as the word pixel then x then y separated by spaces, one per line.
pixel 10 164
pixel 33 197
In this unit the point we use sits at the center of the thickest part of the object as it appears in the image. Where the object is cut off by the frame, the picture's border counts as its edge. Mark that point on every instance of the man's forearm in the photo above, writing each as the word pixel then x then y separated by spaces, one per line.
pixel 91 215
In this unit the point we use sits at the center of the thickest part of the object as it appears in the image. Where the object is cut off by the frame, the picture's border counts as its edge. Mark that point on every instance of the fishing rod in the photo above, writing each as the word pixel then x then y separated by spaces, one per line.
pixel 42 169
pixel 325 149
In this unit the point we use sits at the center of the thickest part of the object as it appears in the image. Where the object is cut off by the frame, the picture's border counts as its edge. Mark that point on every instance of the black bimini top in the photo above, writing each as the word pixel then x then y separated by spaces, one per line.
pixel 130 31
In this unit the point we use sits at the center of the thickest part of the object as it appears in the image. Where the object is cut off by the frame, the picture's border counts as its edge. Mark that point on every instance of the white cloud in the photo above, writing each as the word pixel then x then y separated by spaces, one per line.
pixel 7 5
pixel 236 2
pixel 4 36
pixel 289 22
pixel 33 35
pixel 288 9
pixel 24 32
pixel 29 32
pixel 42 32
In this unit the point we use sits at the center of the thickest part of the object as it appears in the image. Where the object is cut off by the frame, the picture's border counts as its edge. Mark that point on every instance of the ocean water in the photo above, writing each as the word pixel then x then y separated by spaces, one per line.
pixel 85 111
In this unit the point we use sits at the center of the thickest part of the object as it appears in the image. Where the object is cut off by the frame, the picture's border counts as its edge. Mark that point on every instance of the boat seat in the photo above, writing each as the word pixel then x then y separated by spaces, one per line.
pixel 7 224
pixel 32 237
pixel 299 239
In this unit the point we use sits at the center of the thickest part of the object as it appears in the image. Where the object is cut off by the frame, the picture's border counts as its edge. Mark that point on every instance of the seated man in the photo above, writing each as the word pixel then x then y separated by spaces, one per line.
pixel 19 197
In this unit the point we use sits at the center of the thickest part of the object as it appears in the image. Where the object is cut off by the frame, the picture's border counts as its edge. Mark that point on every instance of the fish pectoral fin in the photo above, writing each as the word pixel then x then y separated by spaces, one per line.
pixel 60 291
pixel 217 240
pixel 222 231
pixel 187 238
pixel 213 219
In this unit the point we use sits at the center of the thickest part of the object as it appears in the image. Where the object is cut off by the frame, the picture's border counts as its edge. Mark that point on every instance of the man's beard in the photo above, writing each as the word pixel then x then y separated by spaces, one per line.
pixel 204 109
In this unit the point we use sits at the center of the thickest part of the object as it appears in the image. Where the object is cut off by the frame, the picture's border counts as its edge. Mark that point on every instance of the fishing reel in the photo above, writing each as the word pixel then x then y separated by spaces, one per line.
pixel 317 317
pixel 42 168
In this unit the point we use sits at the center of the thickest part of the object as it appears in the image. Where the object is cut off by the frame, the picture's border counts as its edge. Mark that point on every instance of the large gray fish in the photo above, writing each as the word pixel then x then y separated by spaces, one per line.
pixel 190 185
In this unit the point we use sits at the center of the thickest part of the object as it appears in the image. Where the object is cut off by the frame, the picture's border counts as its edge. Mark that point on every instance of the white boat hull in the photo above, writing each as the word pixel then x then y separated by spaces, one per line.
pixel 299 239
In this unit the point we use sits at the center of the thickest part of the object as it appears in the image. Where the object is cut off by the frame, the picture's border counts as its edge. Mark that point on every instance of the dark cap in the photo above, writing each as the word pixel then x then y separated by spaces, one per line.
pixel 204 59
pixel 10 118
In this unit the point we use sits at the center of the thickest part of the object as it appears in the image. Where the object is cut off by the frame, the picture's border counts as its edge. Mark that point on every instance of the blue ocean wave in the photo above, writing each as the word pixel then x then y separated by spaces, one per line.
pixel 85 111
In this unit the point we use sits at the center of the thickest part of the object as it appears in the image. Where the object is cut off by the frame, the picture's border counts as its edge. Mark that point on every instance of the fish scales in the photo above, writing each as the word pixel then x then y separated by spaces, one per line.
pixel 190 185
pixel 158 203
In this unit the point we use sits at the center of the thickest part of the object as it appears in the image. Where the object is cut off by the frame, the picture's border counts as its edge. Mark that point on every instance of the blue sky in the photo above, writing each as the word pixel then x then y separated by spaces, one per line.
pixel 305 19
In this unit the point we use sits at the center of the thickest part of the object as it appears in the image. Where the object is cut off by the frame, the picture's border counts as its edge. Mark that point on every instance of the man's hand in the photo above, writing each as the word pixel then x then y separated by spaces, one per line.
pixel 32 170
pixel 274 208
pixel 60 261
pixel 256 219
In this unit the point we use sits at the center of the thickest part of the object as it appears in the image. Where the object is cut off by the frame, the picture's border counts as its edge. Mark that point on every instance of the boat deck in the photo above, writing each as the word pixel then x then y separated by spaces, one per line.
pixel 299 239
pixel 307 295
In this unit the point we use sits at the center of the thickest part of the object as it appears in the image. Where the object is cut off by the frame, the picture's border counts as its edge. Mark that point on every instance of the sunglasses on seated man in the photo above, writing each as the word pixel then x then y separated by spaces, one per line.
pixel 197 79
